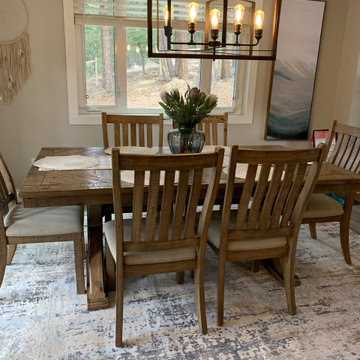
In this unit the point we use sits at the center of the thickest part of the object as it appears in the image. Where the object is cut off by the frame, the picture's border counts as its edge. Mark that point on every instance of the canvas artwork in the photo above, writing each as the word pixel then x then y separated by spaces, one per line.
pixel 294 69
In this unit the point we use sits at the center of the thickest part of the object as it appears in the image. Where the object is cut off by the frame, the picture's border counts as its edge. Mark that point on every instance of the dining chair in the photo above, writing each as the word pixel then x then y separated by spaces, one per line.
pixel 323 208
pixel 269 210
pixel 132 130
pixel 20 225
pixel 169 239
pixel 211 126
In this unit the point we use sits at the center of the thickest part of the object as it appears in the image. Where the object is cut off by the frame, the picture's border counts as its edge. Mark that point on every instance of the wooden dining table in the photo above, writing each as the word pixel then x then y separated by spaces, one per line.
pixel 93 188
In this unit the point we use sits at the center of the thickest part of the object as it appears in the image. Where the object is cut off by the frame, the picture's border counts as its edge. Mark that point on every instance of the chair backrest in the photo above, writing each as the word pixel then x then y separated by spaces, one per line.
pixel 8 197
pixel 211 125
pixel 170 188
pixel 276 189
pixel 132 130
pixel 346 153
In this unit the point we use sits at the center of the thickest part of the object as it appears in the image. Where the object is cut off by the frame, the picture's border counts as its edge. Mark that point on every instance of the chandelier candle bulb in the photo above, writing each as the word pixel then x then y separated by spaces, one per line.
pixel 238 16
pixel 259 20
pixel 167 13
pixel 214 20
pixel 193 10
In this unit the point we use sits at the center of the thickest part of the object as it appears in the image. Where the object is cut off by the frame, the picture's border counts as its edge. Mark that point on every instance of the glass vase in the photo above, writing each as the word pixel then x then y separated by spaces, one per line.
pixel 186 139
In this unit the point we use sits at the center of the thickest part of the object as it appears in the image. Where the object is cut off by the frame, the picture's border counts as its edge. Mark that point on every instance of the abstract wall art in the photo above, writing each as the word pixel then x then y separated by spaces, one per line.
pixel 293 75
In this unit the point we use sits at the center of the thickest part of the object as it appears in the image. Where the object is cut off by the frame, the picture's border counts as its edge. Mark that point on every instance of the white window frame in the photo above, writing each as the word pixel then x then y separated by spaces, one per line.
pixel 247 72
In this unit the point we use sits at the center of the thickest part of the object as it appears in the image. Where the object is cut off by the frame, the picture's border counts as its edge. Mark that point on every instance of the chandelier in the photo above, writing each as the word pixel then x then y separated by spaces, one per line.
pixel 232 29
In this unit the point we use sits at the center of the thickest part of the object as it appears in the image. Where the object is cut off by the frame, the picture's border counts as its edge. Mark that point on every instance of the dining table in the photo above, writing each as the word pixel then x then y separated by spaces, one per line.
pixel 92 187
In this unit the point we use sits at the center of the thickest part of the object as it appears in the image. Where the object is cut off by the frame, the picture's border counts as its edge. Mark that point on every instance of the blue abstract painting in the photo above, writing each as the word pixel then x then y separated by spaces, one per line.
pixel 294 69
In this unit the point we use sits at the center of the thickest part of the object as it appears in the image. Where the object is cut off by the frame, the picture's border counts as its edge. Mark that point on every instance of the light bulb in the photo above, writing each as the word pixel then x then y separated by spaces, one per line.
pixel 238 13
pixel 193 10
pixel 166 14
pixel 259 19
pixel 214 18
pixel 128 47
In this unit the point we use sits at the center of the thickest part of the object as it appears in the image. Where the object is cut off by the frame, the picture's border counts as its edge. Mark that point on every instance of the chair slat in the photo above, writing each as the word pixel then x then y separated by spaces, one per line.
pixel 258 196
pixel 149 135
pixel 271 196
pixel 117 134
pixel 125 129
pixel 347 152
pixel 133 134
pixel 193 203
pixel 179 208
pixel 166 205
pixel 342 149
pixel 141 135
pixel 207 133
pixel 246 196
pixel 294 193
pixel 334 152
pixel 283 193
pixel 354 156
pixel 138 201
pixel 152 205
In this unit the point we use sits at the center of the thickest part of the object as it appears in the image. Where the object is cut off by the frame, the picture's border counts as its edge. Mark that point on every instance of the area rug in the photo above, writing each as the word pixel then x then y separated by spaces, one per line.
pixel 42 317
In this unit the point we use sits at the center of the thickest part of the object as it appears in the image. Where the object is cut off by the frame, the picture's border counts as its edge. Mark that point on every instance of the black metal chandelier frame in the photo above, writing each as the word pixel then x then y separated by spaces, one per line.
pixel 213 49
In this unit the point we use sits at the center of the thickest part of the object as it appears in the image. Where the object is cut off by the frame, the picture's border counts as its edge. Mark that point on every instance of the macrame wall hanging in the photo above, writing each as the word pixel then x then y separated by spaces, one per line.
pixel 15 65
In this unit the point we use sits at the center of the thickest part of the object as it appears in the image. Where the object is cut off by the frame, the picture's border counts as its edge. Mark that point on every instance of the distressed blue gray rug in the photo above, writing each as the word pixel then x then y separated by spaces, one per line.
pixel 42 317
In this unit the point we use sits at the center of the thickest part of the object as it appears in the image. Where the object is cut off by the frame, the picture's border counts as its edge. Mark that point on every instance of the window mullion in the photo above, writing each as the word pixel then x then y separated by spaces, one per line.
pixel 120 68
pixel 205 75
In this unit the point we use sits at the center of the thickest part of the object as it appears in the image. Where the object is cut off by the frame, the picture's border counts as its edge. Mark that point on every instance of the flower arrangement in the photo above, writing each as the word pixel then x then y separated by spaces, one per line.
pixel 188 108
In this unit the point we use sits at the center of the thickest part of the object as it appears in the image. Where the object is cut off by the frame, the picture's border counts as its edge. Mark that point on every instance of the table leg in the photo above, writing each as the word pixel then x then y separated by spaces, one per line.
pixel 96 296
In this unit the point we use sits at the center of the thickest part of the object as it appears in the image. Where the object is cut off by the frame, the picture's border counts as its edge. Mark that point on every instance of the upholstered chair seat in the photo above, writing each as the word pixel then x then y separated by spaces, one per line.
pixel 47 221
pixel 148 257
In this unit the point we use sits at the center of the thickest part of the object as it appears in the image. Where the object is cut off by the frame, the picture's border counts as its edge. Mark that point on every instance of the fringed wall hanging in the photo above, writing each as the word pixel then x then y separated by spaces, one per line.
pixel 15 65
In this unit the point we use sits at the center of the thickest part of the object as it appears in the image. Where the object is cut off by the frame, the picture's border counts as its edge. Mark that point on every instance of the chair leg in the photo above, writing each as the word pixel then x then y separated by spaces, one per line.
pixel 220 291
pixel 289 286
pixel 119 308
pixel 344 226
pixel 255 266
pixel 2 262
pixel 312 228
pixel 10 253
pixel 110 268
pixel 79 265
pixel 200 299
pixel 180 276
pixel 344 239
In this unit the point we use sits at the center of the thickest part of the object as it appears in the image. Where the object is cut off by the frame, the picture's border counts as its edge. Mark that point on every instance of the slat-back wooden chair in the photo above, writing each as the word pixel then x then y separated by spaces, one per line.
pixel 211 126
pixel 322 208
pixel 20 225
pixel 172 239
pixel 132 130
pixel 267 221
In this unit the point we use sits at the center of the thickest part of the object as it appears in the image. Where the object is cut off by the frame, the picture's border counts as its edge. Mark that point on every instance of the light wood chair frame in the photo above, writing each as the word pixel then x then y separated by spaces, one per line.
pixel 8 199
pixel 132 130
pixel 345 154
pixel 178 212
pixel 267 209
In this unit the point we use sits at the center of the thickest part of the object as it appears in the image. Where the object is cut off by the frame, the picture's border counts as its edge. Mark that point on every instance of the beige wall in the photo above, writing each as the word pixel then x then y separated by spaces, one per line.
pixel 39 116
pixel 347 108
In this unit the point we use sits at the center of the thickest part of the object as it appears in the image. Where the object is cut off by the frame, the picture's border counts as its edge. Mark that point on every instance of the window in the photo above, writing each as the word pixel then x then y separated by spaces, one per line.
pixel 108 54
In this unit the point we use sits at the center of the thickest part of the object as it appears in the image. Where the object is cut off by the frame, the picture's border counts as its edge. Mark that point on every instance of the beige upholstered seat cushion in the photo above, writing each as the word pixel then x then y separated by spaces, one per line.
pixel 244 244
pixel 148 257
pixel 321 205
pixel 44 221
